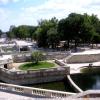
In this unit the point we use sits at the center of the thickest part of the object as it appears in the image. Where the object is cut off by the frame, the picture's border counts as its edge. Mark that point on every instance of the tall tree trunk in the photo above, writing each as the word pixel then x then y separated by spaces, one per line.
pixel 76 45
pixel 68 41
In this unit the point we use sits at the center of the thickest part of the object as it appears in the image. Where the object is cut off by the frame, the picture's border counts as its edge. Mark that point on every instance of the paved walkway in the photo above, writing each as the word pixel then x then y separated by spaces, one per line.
pixel 91 51
pixel 13 96
pixel 75 68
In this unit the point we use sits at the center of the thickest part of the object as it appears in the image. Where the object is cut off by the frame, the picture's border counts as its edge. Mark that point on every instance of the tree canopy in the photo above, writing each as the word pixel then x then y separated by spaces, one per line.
pixel 75 28
pixel 22 32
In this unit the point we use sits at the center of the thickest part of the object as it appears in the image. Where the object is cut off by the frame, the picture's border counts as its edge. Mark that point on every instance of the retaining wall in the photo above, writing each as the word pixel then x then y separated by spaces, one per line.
pixel 34 76
pixel 26 56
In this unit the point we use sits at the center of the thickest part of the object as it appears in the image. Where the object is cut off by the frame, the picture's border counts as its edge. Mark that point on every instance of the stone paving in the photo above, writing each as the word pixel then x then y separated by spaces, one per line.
pixel 13 96
pixel 91 51
pixel 75 68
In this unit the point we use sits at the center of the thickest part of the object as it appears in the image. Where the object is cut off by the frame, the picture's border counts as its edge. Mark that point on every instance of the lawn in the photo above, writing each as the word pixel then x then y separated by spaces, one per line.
pixel 32 66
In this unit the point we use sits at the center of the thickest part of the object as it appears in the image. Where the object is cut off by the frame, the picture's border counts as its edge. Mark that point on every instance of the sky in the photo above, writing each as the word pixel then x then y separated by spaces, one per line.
pixel 29 12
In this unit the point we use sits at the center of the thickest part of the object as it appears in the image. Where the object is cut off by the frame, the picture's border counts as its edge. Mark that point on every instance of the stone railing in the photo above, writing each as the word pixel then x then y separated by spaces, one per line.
pixel 34 91
pixel 59 62
pixel 75 86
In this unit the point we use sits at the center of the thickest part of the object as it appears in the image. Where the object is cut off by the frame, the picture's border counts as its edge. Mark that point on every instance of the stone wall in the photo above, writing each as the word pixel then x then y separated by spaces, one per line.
pixel 22 57
pixel 88 58
pixel 59 62
pixel 34 76
pixel 56 55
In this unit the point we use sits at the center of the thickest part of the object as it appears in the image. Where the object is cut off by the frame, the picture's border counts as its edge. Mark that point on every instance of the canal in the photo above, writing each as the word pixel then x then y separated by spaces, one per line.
pixel 57 85
pixel 87 81
pixel 84 81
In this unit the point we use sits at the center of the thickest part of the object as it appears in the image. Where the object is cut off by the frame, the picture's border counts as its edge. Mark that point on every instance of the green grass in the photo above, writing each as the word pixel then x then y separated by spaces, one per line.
pixel 90 70
pixel 32 66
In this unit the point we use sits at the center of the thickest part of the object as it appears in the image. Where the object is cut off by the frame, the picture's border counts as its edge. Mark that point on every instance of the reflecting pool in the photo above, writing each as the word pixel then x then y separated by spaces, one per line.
pixel 87 81
pixel 84 81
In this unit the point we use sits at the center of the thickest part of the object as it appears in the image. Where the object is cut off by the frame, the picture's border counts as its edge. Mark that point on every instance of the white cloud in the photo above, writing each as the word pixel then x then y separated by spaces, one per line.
pixel 7 1
pixel 4 18
pixel 59 8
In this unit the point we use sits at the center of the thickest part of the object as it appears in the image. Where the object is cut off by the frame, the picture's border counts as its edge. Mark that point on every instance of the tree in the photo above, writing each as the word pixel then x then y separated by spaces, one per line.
pixel 74 30
pixel 37 56
pixel 22 32
pixel 1 33
pixel 31 32
pixel 43 27
pixel 53 37
pixel 70 28
pixel 96 39
pixel 78 28
pixel 12 32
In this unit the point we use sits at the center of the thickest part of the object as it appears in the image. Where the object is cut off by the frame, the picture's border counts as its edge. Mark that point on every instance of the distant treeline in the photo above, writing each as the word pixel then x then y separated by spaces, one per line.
pixel 75 29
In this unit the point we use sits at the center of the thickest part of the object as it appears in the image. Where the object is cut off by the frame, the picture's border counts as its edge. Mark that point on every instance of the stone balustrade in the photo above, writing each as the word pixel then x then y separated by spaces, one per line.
pixel 75 86
pixel 34 91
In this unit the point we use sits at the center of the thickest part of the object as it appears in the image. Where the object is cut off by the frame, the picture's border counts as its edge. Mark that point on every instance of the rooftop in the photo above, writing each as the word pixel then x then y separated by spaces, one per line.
pixel 23 43
pixel 5 57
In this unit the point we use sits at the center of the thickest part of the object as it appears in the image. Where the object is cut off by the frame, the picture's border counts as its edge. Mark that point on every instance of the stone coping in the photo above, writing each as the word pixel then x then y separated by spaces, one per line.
pixel 74 85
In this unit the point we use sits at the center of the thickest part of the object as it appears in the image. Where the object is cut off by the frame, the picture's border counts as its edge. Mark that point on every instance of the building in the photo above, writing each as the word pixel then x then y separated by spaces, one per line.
pixel 22 45
pixel 5 61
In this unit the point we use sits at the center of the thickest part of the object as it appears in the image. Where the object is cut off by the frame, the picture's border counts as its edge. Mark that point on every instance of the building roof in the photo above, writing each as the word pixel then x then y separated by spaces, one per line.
pixel 23 43
pixel 5 57
pixel 2 40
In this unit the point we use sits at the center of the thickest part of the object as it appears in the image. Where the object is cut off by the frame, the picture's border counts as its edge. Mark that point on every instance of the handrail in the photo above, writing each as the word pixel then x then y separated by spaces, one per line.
pixel 73 84
pixel 34 91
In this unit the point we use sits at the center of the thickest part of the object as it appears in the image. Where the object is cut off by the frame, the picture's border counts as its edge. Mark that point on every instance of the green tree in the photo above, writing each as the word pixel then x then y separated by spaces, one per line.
pixel 77 28
pixel 22 32
pixel 53 37
pixel 12 32
pixel 37 56
pixel 41 32
pixel 1 33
